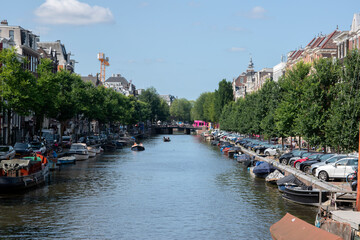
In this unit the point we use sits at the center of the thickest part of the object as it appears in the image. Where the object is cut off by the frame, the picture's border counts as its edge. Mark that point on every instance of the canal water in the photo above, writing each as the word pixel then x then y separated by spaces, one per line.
pixel 183 189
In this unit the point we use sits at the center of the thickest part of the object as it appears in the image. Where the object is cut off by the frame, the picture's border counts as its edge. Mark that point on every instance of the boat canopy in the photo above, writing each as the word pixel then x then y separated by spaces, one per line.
pixel 291 227
pixel 290 179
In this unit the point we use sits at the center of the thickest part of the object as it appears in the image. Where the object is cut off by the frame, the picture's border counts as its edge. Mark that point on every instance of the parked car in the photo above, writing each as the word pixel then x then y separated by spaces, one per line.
pixel 23 149
pixel 310 157
pixel 330 160
pixel 306 166
pixel 284 159
pixel 302 155
pixel 66 141
pixel 38 147
pixel 6 152
pixel 338 170
pixel 274 150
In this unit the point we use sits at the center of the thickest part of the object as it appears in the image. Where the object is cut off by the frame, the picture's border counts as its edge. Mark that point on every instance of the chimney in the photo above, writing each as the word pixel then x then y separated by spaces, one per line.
pixel 4 22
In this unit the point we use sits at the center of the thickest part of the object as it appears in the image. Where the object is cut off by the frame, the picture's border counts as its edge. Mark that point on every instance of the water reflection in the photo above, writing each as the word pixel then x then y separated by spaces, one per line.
pixel 183 189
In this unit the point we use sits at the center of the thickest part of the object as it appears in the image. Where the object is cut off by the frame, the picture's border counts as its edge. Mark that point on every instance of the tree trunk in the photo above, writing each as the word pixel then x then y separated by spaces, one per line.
pixel 8 141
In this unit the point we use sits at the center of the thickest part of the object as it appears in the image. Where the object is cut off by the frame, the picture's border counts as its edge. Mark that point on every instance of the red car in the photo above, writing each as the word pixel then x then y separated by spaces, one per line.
pixel 310 157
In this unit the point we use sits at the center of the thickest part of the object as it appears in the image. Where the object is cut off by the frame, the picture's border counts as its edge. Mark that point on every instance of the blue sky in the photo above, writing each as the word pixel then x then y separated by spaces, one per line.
pixel 183 47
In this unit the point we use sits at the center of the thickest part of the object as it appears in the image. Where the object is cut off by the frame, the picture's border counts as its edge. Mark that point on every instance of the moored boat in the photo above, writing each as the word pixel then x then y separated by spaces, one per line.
pixel 92 151
pixel 274 176
pixel 288 181
pixel 66 160
pixel 305 195
pixel 262 169
pixel 79 151
pixel 166 139
pixel 20 174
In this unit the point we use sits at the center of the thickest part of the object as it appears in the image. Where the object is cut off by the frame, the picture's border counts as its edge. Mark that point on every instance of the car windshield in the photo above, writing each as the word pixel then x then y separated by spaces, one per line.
pixel 305 154
pixel 4 149
pixel 36 145
pixel 21 145
pixel 313 156
pixel 334 159
pixel 326 156
pixel 65 138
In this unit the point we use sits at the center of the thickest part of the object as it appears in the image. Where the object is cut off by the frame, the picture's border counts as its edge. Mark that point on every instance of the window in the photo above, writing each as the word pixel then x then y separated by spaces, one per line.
pixel 11 34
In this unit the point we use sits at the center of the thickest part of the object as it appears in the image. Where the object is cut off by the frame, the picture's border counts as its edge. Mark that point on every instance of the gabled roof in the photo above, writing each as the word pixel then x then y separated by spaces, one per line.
pixel 118 78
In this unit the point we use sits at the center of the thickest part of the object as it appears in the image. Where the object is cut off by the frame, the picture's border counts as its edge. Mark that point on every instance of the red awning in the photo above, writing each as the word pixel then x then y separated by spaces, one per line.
pixel 291 227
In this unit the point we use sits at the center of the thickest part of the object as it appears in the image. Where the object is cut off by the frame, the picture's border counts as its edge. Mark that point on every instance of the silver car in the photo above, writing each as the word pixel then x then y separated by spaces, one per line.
pixel 6 152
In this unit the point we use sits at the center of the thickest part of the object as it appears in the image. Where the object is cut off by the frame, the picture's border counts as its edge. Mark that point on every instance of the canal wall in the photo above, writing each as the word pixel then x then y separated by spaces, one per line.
pixel 306 178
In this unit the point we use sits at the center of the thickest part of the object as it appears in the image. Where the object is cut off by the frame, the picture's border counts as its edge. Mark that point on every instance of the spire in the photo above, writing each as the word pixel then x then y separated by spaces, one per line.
pixel 251 64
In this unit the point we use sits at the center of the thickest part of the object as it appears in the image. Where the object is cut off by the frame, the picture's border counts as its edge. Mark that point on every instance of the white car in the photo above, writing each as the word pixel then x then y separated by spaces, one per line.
pixel 6 152
pixel 339 170
pixel 273 151
pixel 330 160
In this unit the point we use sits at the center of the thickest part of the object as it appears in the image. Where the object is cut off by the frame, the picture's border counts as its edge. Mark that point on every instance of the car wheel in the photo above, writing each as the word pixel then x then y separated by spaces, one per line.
pixel 323 175
pixel 284 161
pixel 307 169
pixel 291 163
pixel 297 165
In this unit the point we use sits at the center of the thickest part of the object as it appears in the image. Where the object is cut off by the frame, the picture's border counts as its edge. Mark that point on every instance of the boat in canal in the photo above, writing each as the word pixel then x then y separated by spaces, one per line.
pixel 137 147
pixel 79 151
pixel 66 160
pixel 305 195
pixel 22 173
pixel 166 139
pixel 92 151
pixel 262 169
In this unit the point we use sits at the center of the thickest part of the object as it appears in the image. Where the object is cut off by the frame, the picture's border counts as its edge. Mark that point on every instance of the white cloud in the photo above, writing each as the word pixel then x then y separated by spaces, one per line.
pixel 256 13
pixel 72 12
pixel 237 49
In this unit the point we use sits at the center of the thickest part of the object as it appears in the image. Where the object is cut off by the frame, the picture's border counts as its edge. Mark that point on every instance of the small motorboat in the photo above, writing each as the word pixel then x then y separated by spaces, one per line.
pixel 305 195
pixel 137 147
pixel 66 160
pixel 289 181
pixel 92 151
pixel 274 176
pixel 262 169
pixel 167 139
pixel 245 159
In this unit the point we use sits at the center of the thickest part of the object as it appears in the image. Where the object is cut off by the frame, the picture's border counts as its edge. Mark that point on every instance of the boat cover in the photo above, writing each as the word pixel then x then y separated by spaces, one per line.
pixel 14 164
pixel 291 179
pixel 276 175
pixel 243 157
pixel 291 227
pixel 263 167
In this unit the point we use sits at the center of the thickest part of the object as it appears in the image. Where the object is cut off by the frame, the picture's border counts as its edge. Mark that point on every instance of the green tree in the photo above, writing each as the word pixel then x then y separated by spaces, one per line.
pixel 342 126
pixel 223 96
pixel 180 110
pixel 291 90
pixel 159 108
pixel 318 94
pixel 16 86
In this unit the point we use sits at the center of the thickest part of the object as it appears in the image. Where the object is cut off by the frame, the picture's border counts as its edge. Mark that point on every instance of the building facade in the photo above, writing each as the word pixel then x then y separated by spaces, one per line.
pixel 63 57
pixel 121 85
